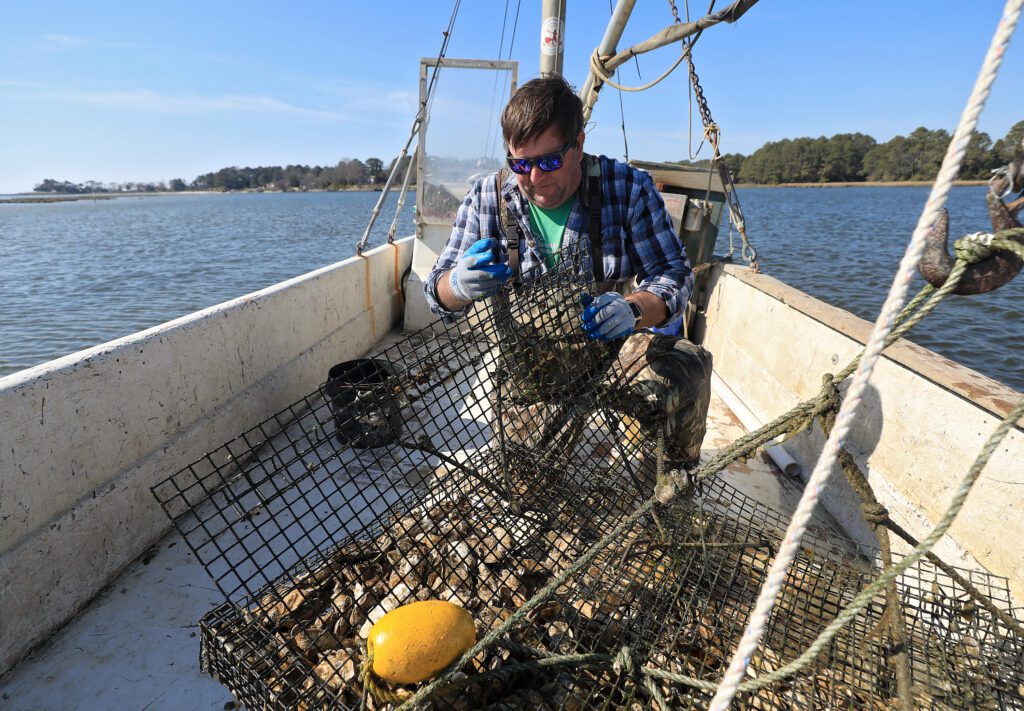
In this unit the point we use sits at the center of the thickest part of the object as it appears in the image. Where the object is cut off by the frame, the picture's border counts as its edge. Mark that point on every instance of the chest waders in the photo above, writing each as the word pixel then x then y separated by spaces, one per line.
pixel 669 378
pixel 553 356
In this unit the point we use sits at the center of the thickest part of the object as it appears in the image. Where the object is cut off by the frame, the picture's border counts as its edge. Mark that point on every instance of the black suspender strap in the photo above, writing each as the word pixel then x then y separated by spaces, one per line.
pixel 509 226
pixel 513 233
pixel 594 226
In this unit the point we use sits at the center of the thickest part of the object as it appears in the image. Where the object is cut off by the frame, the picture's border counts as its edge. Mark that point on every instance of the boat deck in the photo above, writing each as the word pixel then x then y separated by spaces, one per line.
pixel 137 644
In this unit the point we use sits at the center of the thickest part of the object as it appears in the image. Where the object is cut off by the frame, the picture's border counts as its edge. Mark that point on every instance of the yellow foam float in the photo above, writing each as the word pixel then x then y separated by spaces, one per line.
pixel 414 642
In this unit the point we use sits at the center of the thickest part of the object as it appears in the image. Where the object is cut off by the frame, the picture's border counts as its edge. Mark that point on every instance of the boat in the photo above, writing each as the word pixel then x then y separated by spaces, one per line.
pixel 211 468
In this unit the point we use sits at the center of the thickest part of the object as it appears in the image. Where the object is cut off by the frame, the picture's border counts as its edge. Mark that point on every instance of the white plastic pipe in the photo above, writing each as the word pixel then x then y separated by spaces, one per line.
pixel 776 452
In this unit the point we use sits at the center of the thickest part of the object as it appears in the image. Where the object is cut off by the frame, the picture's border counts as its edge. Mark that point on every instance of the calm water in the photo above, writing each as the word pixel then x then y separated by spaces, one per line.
pixel 75 274
pixel 843 246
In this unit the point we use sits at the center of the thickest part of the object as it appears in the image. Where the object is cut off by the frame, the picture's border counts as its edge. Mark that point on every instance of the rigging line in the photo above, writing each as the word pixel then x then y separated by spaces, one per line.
pixel 876 342
pixel 488 150
pixel 689 87
pixel 515 26
pixel 622 110
pixel 421 115
pixel 429 102
pixel 508 57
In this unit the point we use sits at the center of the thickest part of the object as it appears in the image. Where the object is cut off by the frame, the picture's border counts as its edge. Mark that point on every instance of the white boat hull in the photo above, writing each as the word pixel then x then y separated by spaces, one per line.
pixel 87 435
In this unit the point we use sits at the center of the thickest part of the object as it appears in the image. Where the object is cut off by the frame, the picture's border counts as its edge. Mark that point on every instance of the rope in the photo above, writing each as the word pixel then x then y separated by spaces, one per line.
pixel 420 116
pixel 877 515
pixel 597 66
pixel 893 305
pixel 1000 242
pixel 380 693
pixel 624 658
pixel 827 401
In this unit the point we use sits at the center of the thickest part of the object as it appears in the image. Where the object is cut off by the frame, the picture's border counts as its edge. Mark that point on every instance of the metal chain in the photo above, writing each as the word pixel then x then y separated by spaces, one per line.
pixel 675 11
pixel 712 132
pixel 702 103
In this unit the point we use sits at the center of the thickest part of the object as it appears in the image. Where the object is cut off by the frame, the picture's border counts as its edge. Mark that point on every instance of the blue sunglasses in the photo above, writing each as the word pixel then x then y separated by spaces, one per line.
pixel 547 163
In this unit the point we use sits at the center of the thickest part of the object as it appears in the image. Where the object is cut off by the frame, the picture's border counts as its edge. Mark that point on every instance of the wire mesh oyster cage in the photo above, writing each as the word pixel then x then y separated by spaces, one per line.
pixel 508 467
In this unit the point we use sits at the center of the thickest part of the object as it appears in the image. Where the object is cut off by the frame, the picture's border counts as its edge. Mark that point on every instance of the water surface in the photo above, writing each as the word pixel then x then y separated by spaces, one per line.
pixel 844 245
pixel 75 274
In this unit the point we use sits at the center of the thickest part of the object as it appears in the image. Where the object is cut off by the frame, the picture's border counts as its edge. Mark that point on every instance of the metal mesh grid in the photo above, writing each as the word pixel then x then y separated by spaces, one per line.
pixel 474 465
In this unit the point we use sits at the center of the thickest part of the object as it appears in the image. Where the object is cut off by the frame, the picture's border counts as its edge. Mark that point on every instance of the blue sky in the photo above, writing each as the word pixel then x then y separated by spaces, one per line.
pixel 114 91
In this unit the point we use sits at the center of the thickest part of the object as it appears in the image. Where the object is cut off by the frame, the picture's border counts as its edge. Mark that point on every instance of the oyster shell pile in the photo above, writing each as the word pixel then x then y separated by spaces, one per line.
pixel 677 604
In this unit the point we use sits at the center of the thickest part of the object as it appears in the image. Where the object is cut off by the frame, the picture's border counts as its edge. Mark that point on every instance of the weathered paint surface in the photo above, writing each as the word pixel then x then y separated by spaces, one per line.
pixel 85 436
pixel 137 646
pixel 922 423
pixel 427 249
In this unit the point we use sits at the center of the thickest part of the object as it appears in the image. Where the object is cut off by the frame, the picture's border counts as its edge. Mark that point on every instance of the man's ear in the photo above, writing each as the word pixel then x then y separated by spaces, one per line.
pixel 579 140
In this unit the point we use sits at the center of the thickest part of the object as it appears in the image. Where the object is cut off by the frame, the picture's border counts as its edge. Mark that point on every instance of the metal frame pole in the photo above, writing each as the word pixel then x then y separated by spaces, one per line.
pixel 612 35
pixel 552 36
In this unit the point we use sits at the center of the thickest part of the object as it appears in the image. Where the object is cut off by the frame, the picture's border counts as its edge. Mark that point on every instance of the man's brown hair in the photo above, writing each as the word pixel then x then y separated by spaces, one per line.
pixel 539 104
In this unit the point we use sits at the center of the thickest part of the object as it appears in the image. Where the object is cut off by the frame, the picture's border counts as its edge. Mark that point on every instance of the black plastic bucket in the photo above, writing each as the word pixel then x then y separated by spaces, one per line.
pixel 366 412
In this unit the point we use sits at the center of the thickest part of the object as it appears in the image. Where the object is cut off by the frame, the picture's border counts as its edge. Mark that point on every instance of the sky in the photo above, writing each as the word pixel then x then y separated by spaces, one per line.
pixel 146 92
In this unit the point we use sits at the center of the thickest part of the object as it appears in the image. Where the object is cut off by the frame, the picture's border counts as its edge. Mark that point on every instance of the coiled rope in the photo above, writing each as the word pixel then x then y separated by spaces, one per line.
pixel 893 305
pixel 597 66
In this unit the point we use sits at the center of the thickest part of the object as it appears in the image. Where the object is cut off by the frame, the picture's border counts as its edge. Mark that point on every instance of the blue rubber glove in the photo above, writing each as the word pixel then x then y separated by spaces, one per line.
pixel 608 317
pixel 479 272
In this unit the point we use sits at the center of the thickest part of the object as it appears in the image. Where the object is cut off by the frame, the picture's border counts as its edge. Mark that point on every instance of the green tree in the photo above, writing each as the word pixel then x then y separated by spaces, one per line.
pixel 979 159
pixel 1009 147
pixel 927 149
pixel 733 163
pixel 844 157
pixel 374 170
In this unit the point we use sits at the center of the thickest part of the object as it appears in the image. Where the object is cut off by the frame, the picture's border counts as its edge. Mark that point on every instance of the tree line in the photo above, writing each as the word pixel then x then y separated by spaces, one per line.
pixel 856 157
pixel 845 157
pixel 347 173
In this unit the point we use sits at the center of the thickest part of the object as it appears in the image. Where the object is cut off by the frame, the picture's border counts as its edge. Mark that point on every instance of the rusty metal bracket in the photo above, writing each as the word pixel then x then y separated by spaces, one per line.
pixel 989 273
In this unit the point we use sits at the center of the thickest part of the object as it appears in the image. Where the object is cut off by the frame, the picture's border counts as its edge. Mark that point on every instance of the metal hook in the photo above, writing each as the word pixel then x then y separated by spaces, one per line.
pixel 1008 179
pixel 988 274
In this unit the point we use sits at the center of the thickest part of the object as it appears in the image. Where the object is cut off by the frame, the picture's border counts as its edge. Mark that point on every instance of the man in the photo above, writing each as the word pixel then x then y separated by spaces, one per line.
pixel 550 199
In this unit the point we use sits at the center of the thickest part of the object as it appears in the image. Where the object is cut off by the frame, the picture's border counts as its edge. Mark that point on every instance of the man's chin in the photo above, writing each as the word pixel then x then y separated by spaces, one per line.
pixel 546 200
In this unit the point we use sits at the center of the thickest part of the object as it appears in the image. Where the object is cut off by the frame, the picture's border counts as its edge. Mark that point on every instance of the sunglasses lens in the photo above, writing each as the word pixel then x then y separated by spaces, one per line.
pixel 520 165
pixel 550 162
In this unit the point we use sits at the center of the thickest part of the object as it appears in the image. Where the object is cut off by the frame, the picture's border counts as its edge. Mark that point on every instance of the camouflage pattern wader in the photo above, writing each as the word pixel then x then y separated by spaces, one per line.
pixel 661 386
pixel 662 383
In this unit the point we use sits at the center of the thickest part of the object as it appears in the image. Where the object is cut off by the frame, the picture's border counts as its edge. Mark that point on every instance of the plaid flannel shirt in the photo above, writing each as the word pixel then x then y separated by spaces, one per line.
pixel 637 238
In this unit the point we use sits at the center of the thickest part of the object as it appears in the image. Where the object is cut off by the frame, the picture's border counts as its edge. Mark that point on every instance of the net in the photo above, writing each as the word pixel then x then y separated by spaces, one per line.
pixel 476 464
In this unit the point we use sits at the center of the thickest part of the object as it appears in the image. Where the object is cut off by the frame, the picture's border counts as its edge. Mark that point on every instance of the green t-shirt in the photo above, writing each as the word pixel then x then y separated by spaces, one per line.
pixel 549 226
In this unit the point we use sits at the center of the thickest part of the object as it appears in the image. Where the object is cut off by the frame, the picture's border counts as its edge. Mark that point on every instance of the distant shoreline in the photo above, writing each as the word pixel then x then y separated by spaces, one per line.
pixel 877 184
pixel 37 198
pixel 34 198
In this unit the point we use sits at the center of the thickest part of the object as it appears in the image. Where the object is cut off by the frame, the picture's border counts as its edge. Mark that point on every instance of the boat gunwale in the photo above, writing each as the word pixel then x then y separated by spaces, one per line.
pixel 992 396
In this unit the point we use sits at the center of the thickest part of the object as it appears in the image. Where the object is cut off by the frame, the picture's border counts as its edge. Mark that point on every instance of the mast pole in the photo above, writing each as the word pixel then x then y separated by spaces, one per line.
pixel 552 36
pixel 612 35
